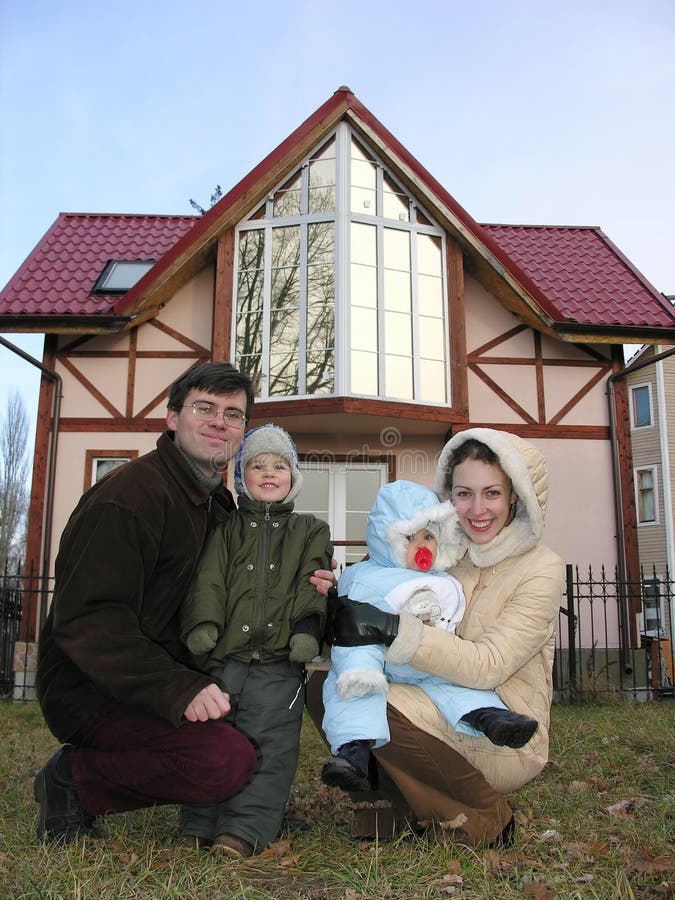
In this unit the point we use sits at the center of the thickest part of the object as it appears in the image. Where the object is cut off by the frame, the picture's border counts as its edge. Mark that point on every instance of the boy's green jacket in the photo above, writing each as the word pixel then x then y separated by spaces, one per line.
pixel 253 582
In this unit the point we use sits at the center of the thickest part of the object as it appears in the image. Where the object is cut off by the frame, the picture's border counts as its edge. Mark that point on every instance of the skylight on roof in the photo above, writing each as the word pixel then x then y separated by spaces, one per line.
pixel 120 275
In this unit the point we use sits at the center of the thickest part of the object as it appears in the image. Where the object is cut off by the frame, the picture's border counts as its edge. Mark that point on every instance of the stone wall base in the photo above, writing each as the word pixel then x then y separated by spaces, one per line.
pixel 25 668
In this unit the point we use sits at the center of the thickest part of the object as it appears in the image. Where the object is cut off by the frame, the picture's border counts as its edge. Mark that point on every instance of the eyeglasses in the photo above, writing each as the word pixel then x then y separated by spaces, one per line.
pixel 207 411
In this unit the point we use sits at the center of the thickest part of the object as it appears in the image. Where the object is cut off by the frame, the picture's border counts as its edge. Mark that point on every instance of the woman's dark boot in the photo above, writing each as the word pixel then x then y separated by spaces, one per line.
pixel 501 726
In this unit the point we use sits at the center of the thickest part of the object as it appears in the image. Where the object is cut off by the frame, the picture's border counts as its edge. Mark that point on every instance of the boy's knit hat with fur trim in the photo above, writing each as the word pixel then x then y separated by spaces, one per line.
pixel 267 439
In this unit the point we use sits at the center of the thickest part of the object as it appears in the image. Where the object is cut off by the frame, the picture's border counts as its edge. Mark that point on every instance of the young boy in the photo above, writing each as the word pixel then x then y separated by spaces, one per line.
pixel 411 538
pixel 252 620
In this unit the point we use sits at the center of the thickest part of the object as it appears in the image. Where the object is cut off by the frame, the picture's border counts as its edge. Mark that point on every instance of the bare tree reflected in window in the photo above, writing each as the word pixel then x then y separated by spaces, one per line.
pixel 293 366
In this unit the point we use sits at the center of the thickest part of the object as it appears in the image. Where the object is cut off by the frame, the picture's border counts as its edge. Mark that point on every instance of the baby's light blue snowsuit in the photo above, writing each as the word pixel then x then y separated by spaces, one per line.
pixel 401 509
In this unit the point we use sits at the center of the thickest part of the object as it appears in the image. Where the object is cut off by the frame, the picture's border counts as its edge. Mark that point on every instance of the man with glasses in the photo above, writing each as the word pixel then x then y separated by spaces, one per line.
pixel 140 727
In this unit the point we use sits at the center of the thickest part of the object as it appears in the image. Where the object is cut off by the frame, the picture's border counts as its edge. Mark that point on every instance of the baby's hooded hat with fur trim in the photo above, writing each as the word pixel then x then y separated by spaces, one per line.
pixel 267 439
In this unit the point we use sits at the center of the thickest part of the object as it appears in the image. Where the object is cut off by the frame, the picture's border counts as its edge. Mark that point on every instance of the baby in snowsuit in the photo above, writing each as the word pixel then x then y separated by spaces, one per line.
pixel 411 538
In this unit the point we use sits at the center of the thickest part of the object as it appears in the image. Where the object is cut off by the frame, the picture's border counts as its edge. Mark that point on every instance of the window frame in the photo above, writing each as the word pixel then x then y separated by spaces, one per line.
pixel 639 504
pixel 91 457
pixel 336 468
pixel 109 271
pixel 633 406
pixel 418 223
pixel 653 591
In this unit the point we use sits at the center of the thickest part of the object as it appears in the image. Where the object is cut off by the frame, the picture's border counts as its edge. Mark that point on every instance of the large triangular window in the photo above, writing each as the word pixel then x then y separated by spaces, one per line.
pixel 340 284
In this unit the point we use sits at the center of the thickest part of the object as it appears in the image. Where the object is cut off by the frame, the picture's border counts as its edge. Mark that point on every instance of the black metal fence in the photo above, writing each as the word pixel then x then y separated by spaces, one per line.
pixel 21 597
pixel 615 637
pixel 602 649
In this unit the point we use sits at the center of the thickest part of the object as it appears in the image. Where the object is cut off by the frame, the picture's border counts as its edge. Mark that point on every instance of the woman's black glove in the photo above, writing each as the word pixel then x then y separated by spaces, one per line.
pixel 353 624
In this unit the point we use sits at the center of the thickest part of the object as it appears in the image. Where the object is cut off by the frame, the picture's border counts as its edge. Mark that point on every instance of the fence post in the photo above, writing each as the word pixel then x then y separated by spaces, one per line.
pixel 571 632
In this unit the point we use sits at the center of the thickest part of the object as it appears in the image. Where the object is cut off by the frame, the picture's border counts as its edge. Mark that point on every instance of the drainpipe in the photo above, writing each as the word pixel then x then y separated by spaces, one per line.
pixel 51 470
pixel 621 548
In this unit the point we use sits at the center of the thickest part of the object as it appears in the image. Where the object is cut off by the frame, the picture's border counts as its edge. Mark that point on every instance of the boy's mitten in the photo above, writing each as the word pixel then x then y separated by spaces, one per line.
pixel 304 648
pixel 202 638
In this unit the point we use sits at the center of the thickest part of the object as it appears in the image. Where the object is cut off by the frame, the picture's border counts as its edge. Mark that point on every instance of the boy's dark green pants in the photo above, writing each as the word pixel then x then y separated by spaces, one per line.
pixel 267 705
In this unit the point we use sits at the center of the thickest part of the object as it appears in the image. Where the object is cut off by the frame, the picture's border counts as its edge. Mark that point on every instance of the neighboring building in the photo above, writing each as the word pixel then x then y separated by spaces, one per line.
pixel 651 403
pixel 377 315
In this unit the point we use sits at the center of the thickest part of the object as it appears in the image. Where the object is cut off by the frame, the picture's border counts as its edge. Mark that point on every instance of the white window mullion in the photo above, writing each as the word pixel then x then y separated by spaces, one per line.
pixel 381 337
pixel 267 307
pixel 342 260
pixel 446 318
pixel 415 316
pixel 302 313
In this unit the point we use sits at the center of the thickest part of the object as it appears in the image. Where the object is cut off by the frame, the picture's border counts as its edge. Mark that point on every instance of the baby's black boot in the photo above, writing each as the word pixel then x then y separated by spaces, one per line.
pixel 348 769
pixel 502 726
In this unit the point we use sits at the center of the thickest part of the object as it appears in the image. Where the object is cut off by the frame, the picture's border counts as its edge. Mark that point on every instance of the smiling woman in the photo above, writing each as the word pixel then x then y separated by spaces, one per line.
pixel 513 585
pixel 482 494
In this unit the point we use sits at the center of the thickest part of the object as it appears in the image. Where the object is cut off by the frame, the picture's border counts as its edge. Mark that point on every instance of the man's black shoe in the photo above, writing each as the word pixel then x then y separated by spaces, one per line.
pixel 348 769
pixel 502 726
pixel 61 818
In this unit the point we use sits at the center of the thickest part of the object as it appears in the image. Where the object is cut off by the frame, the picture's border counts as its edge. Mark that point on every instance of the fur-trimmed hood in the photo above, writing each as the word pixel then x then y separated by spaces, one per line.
pixel 526 467
pixel 403 508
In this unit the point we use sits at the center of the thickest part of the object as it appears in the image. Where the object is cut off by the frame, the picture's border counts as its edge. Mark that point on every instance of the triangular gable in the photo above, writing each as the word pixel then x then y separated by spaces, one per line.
pixel 513 278
pixel 520 265
pixel 191 252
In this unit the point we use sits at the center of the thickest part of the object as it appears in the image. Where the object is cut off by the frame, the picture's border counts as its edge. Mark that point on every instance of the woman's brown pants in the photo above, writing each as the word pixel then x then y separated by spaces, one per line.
pixel 427 781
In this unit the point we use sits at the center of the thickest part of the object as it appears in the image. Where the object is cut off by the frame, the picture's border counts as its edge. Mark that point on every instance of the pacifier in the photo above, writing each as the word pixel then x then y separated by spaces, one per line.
pixel 424 559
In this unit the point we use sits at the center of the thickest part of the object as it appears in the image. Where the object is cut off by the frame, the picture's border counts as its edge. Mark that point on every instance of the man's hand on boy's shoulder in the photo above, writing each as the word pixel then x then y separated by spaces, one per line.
pixel 210 703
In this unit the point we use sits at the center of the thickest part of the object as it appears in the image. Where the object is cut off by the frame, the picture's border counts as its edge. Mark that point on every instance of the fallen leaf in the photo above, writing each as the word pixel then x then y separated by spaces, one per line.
pixel 550 835
pixel 498 862
pixel 622 810
pixel 538 889
pixel 279 849
pixel 647 864
pixel 451 879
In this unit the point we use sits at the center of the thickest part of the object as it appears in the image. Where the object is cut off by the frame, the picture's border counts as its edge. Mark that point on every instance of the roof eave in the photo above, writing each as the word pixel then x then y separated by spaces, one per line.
pixel 66 324
pixel 579 332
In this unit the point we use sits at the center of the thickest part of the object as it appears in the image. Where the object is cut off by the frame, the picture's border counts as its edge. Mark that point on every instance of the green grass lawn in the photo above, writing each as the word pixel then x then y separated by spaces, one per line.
pixel 597 823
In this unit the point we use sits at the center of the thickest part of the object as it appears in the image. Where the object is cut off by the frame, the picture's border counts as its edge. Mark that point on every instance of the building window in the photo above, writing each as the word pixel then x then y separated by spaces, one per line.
pixel 645 495
pixel 342 494
pixel 641 406
pixel 120 275
pixel 341 284
pixel 99 463
pixel 651 606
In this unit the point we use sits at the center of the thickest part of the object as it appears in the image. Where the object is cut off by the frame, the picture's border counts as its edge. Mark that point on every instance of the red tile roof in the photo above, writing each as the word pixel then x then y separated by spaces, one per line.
pixel 583 274
pixel 60 273
pixel 576 277
pixel 579 270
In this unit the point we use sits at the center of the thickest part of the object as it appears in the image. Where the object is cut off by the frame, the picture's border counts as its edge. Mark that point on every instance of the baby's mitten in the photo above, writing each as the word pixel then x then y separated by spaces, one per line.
pixel 304 648
pixel 202 638
pixel 423 603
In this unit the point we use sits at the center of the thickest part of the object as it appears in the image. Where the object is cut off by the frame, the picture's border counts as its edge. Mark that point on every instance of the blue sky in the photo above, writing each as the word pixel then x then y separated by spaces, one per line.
pixel 526 111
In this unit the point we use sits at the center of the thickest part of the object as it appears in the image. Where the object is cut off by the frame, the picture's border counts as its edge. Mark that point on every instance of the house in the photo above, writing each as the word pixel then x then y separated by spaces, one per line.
pixel 378 318
pixel 650 381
